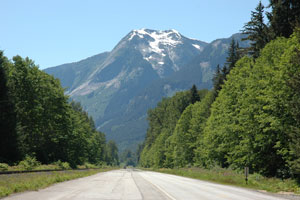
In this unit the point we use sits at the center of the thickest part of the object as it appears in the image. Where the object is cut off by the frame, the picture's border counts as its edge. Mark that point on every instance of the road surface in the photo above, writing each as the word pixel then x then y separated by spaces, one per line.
pixel 137 185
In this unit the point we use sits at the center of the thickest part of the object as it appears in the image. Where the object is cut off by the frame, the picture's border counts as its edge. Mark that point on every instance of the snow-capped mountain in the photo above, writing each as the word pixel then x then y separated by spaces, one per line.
pixel 118 87
pixel 165 50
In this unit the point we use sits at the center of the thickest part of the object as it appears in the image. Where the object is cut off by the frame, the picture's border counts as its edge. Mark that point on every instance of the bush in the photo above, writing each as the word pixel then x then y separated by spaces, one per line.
pixel 29 163
pixel 62 165
pixel 101 164
pixel 3 167
pixel 65 165
pixel 90 166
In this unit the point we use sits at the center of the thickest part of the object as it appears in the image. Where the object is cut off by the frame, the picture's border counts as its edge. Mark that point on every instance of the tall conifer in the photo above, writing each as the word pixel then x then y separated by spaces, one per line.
pixel 194 94
pixel 256 31
pixel 284 17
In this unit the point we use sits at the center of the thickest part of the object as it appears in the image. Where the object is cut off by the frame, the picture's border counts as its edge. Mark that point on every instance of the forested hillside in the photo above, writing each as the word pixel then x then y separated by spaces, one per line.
pixel 250 118
pixel 118 87
pixel 38 120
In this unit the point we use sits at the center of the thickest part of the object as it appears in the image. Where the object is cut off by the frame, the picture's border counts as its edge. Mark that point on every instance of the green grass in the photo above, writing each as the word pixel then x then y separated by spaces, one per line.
pixel 40 167
pixel 231 177
pixel 33 181
pixel 25 166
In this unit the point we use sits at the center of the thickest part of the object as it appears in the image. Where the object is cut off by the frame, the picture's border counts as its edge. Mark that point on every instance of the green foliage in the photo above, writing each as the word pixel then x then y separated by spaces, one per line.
pixel 8 142
pixel 158 149
pixel 62 165
pixel 139 151
pixel 250 120
pixel 254 121
pixel 233 55
pixel 220 120
pixel 194 94
pixel 257 31
pixel 218 80
pixel 128 158
pixel 3 167
pixel 284 17
pixel 29 163
pixel 293 64
pixel 183 140
pixel 201 112
pixel 112 157
pixel 37 119
pixel 65 165
pixel 90 166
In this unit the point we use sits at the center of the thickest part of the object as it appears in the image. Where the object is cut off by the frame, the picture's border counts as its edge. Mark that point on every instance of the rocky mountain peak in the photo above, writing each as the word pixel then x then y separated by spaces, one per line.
pixel 169 37
pixel 164 50
pixel 118 87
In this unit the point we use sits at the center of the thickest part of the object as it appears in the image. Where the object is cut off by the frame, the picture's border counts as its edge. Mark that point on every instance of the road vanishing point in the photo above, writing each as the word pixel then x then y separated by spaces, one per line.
pixel 140 185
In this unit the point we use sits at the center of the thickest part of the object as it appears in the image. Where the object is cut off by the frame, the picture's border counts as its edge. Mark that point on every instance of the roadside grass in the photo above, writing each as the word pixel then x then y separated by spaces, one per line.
pixel 31 164
pixel 13 183
pixel 39 167
pixel 231 177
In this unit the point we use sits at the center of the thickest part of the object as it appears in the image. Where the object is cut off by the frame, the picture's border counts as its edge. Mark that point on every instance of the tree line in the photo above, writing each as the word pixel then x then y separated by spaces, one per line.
pixel 250 118
pixel 37 119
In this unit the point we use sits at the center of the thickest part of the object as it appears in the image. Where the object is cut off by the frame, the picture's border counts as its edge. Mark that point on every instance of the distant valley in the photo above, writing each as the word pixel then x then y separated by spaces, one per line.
pixel 118 87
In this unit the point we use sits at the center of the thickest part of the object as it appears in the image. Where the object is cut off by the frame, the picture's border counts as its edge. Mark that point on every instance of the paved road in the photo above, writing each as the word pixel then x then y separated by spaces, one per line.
pixel 136 185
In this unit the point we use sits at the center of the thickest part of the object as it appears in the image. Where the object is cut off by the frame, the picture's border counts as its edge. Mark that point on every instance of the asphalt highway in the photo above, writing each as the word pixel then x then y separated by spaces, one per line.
pixel 140 185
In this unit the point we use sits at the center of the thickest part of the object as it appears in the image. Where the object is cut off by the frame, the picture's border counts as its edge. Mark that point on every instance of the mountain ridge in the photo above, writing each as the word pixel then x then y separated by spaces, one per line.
pixel 118 87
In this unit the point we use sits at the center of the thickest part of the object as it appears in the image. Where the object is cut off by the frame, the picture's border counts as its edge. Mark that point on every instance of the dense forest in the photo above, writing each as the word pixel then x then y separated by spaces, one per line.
pixel 38 120
pixel 251 117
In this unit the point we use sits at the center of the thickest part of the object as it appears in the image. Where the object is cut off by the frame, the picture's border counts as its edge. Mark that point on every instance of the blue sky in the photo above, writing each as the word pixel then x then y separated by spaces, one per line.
pixel 53 32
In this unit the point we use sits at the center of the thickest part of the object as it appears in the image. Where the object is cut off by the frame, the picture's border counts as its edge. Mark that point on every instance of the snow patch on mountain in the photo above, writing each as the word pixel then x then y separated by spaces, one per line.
pixel 166 38
pixel 197 47
pixel 160 48
pixel 156 45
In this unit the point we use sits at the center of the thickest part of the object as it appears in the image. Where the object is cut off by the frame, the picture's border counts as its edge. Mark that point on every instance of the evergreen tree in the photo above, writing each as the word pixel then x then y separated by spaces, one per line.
pixel 218 79
pixel 256 31
pixel 233 56
pixel 194 94
pixel 284 17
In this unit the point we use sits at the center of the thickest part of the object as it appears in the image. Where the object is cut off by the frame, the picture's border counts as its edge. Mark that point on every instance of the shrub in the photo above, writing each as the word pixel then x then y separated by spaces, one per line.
pixel 65 165
pixel 3 167
pixel 62 165
pixel 29 163
pixel 89 165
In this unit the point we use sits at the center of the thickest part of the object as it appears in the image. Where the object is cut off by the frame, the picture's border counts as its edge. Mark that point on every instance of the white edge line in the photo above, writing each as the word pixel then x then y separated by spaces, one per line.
pixel 167 194
pixel 162 190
